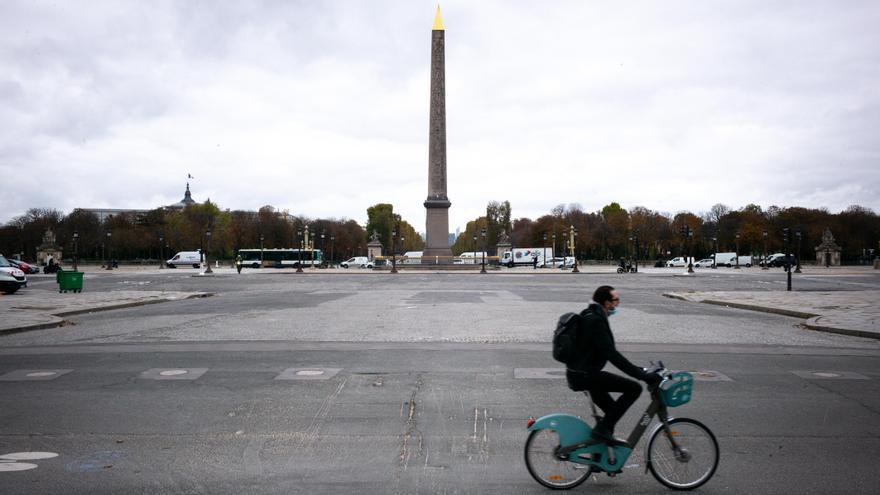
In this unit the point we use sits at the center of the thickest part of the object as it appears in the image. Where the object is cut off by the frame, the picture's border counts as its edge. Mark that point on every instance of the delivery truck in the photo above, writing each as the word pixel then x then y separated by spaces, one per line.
pixel 525 256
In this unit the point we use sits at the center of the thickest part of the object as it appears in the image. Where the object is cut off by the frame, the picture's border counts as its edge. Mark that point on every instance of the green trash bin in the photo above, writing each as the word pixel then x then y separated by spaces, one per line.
pixel 69 281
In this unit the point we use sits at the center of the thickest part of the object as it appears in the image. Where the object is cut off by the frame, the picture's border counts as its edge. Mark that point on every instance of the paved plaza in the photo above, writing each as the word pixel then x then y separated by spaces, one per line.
pixel 268 381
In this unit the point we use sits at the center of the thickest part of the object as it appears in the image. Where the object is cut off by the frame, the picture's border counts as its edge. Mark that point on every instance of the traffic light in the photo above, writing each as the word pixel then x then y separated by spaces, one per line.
pixel 785 235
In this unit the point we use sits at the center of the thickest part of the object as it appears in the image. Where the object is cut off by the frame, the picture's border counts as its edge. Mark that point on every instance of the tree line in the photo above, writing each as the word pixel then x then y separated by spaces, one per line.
pixel 607 234
pixel 614 232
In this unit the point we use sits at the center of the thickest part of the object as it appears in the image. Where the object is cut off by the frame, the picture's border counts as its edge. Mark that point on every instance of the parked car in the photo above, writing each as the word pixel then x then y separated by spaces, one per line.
pixel 358 261
pixel 704 263
pixel 661 263
pixel 679 261
pixel 27 268
pixel 779 259
pixel 11 278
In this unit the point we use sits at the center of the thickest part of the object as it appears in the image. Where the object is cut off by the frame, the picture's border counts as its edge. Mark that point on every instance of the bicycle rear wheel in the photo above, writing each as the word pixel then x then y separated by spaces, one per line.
pixel 695 461
pixel 546 468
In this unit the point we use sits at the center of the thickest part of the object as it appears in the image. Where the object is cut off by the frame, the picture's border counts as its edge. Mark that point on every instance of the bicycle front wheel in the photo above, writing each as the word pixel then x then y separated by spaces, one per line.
pixel 685 456
pixel 546 468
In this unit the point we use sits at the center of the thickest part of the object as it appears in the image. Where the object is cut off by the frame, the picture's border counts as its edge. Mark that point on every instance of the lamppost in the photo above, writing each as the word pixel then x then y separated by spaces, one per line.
pixel 544 260
pixel 798 259
pixel 635 240
pixel 207 252
pixel 786 241
pixel 764 263
pixel 322 246
pixel 109 255
pixel 393 252
pixel 737 251
pixel 475 248
pixel 299 252
pixel 687 234
pixel 332 238
pixel 564 248
pixel 553 251
pixel 161 251
pixel 571 239
pixel 715 254
pixel 261 250
pixel 483 235
pixel 75 247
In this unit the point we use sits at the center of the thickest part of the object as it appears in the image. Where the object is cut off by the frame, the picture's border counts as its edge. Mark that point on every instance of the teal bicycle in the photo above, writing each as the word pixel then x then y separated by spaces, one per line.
pixel 682 453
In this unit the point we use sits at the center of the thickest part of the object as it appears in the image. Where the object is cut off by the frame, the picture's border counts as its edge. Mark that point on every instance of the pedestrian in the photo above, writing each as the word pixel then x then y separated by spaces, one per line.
pixel 594 346
pixel 238 263
pixel 534 262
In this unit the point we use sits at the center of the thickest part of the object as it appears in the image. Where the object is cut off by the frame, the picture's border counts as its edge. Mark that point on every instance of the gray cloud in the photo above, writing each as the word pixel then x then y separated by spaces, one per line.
pixel 321 107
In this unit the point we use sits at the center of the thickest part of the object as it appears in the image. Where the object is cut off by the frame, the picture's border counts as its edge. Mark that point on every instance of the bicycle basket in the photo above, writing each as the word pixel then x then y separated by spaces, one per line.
pixel 676 390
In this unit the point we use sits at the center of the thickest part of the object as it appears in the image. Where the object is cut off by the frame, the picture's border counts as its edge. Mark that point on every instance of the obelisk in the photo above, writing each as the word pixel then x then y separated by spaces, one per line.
pixel 437 205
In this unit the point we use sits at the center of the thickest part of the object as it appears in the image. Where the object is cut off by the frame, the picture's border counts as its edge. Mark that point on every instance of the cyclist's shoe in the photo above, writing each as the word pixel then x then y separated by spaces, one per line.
pixel 607 437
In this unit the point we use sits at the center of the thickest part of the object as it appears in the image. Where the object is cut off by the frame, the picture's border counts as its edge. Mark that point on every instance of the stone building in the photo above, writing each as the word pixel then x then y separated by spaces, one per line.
pixel 828 252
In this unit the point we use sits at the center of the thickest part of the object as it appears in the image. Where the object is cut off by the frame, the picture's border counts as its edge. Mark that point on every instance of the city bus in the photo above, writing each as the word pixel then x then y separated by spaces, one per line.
pixel 280 258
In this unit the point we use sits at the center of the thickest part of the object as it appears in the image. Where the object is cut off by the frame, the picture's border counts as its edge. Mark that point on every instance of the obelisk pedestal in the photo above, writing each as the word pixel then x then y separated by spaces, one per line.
pixel 437 204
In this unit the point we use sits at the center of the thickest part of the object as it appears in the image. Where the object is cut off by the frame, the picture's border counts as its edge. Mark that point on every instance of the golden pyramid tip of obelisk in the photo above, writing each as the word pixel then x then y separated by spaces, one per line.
pixel 438 20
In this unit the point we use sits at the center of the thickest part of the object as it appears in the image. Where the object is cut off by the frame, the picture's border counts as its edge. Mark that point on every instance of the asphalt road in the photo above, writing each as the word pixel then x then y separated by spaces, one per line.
pixel 419 383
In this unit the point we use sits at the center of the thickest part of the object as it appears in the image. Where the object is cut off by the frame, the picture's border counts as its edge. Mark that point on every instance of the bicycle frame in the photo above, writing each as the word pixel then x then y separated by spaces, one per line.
pixel 575 437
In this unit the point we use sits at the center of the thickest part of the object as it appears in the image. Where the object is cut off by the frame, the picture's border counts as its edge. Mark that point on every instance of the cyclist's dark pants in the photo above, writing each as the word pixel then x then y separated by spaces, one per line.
pixel 600 384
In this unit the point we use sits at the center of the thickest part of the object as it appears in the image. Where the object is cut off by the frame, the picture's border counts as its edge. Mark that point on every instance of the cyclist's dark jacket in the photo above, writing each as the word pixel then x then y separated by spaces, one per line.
pixel 595 347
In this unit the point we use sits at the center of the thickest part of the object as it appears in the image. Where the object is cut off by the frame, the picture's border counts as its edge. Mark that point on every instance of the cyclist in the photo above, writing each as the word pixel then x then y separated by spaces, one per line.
pixel 595 347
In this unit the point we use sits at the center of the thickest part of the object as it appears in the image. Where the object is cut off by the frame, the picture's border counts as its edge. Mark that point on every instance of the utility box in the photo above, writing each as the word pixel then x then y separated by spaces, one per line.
pixel 69 281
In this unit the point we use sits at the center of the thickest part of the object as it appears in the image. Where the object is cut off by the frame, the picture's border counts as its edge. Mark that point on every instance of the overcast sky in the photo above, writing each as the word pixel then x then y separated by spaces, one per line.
pixel 321 107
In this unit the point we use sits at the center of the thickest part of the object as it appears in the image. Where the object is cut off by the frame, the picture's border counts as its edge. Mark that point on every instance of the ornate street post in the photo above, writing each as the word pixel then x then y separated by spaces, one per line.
pixel 798 259
pixel 573 234
pixel 161 251
pixel 545 250
pixel 393 252
pixel 75 248
pixel 109 252
pixel 299 252
pixel 483 235
pixel 261 250
pixel 764 263
pixel 207 251
pixel 737 251
pixel 332 239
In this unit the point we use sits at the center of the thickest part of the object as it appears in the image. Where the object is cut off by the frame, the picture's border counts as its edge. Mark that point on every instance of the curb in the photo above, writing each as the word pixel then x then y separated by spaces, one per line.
pixel 62 322
pixel 810 323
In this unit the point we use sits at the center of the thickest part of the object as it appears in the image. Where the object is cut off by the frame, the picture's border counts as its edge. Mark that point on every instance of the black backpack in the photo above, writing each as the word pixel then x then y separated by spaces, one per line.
pixel 564 338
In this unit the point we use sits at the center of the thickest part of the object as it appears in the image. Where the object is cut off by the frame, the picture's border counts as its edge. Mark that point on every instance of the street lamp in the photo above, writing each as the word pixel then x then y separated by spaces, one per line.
pixel 322 246
pixel 764 263
pixel 715 254
pixel 261 250
pixel 332 238
pixel 564 248
pixel 687 234
pixel 109 255
pixel 161 251
pixel 553 251
pixel 475 248
pixel 207 252
pixel 737 251
pixel 798 259
pixel 571 238
pixel 483 254
pixel 786 243
pixel 393 252
pixel 544 260
pixel 635 240
pixel 75 247
pixel 299 252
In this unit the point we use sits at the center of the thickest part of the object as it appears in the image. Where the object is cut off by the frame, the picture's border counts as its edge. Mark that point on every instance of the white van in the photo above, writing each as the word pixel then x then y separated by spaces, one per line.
pixel 680 261
pixel 193 258
pixel 412 258
pixel 725 259
pixel 358 261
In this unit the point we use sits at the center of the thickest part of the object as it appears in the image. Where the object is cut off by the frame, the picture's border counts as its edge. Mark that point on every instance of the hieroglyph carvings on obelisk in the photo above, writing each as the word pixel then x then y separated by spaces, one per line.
pixel 437 205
